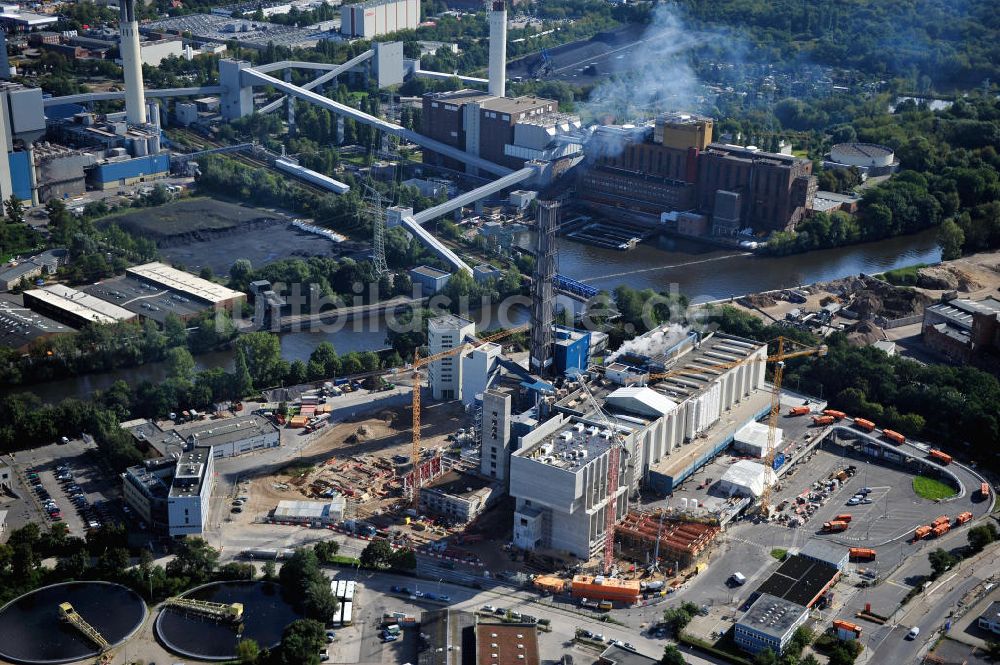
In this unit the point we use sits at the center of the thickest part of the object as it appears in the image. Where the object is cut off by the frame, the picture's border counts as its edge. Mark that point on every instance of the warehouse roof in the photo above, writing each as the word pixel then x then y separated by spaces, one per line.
pixel 506 644
pixel 19 326
pixel 800 580
pixel 80 304
pixel 306 510
pixel 773 616
pixel 229 430
pixel 825 551
pixel 184 282
pixel 514 105
pixel 149 301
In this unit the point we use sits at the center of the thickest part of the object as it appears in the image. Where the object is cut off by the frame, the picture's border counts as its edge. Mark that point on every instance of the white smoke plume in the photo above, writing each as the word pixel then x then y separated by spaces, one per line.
pixel 652 344
pixel 659 78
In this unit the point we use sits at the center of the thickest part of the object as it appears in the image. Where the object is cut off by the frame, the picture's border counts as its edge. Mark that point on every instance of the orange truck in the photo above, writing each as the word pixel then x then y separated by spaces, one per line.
pixel 984 490
pixel 823 420
pixel 798 410
pixel 847 630
pixel 836 415
pixel 843 517
pixel 895 437
pixel 962 518
pixel 940 530
pixel 862 554
pixel 921 532
pixel 940 456
pixel 835 526
pixel 944 519
pixel 866 425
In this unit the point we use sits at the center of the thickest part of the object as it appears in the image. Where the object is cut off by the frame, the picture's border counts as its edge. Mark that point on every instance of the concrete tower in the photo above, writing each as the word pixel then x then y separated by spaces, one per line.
pixel 498 49
pixel 135 95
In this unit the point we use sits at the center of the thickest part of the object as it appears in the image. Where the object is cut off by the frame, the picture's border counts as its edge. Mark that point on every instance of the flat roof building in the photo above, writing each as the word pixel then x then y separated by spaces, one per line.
pixel 459 497
pixel 74 308
pixel 450 636
pixel 506 644
pixel 20 327
pixel 183 282
pixel 826 552
pixel 990 619
pixel 963 329
pixel 315 513
pixel 443 334
pixel 801 580
pixel 190 492
pixel 146 300
pixel 770 623
pixel 230 437
pixel 559 475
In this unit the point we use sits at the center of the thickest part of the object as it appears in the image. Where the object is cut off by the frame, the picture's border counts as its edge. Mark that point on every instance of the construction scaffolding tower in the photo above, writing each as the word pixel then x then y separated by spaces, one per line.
pixel 541 287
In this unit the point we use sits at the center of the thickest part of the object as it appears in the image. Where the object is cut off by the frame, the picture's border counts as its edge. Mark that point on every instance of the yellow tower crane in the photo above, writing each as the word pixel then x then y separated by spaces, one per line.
pixel 418 364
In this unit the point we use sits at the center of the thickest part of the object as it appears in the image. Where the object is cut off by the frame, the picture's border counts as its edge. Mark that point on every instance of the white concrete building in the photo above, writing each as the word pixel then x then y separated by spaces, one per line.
pixel 315 513
pixel 190 492
pixel 480 367
pixel 559 476
pixel 495 447
pixel 443 334
pixel 379 17
pixel 155 51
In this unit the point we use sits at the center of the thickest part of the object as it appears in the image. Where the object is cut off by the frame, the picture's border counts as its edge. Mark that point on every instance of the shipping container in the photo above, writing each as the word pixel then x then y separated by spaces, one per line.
pixel 839 415
pixel 605 588
pixel 866 425
pixel 984 490
pixel 894 437
pixel 798 410
pixel 346 614
pixel 940 456
pixel 862 554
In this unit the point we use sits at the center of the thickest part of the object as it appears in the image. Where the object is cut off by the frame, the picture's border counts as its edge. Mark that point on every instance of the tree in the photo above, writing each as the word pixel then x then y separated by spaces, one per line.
pixel 941 560
pixel 404 559
pixel 326 550
pixel 240 274
pixel 180 363
pixel 301 643
pixel 982 535
pixel 14 210
pixel 195 559
pixel 242 383
pixel 765 657
pixel 950 238
pixel 262 353
pixel 677 618
pixel 320 603
pixel 672 656
pixel 247 652
pixel 269 571
pixel 377 554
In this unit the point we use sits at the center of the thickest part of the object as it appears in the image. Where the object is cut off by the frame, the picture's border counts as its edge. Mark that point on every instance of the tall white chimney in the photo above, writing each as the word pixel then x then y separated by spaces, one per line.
pixel 135 94
pixel 498 49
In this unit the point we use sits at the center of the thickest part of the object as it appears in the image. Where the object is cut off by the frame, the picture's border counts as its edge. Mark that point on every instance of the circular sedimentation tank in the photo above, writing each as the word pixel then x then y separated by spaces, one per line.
pixel 267 609
pixel 32 629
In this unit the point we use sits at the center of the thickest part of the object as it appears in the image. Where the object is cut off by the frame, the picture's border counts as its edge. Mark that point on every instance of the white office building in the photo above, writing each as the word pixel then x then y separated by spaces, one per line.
pixel 190 492
pixel 231 436
pixel 443 334
pixel 480 367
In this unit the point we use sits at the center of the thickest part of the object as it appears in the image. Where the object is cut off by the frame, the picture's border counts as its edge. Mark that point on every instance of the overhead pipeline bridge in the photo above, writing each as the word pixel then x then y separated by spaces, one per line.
pixel 112 95
pixel 334 72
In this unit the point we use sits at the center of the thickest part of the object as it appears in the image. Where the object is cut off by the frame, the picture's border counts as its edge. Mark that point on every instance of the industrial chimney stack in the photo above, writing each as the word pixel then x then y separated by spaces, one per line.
pixel 135 95
pixel 498 49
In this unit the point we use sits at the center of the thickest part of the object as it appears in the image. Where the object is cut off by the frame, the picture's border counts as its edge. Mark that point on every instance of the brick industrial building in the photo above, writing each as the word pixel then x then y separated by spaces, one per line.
pixel 504 130
pixel 673 165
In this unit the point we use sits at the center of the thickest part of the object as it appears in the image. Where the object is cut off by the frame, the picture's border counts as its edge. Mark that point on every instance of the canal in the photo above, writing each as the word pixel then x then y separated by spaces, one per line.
pixel 699 271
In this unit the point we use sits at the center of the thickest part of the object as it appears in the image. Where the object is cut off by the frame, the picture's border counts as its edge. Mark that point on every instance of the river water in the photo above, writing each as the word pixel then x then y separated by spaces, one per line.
pixel 698 271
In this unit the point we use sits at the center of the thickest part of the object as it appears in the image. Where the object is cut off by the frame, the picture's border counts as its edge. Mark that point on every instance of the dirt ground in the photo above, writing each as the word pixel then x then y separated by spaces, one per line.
pixel 356 458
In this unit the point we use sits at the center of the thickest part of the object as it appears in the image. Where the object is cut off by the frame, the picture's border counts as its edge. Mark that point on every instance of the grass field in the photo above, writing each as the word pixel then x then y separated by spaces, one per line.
pixel 932 489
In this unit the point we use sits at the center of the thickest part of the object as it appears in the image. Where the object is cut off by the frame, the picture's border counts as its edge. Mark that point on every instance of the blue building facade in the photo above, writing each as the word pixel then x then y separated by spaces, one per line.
pixel 570 350
pixel 129 172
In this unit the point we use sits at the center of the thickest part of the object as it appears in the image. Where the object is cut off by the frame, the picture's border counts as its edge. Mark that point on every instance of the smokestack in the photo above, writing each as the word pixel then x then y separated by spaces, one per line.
pixel 135 95
pixel 498 49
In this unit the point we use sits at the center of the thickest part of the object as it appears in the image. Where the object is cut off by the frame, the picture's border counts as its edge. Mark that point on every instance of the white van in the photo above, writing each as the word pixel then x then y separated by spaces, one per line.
pixel 738 579
pixel 912 635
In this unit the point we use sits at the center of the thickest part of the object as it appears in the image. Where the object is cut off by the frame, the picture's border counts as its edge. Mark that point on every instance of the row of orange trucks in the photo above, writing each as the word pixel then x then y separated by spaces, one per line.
pixel 831 416
pixel 940 526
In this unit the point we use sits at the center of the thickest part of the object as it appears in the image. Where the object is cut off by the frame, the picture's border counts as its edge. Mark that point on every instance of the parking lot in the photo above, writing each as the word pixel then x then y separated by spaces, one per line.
pixel 66 483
